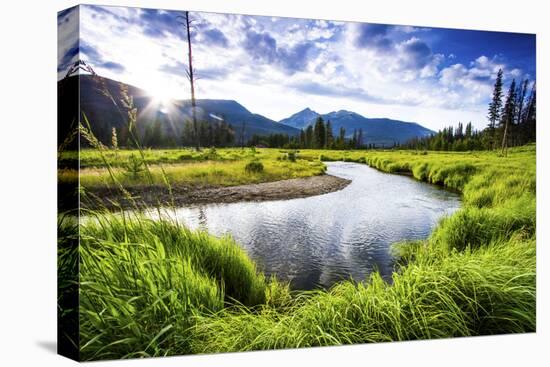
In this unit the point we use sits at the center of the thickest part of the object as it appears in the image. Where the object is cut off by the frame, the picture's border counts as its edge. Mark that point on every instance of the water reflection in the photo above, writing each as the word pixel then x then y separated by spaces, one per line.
pixel 319 240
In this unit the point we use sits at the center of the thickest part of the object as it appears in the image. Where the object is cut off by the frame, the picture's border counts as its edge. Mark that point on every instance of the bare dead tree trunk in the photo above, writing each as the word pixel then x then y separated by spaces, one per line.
pixel 191 76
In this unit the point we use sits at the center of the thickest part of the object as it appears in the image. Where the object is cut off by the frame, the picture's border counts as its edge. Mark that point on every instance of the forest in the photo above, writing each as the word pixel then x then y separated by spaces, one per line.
pixel 512 123
pixel 511 116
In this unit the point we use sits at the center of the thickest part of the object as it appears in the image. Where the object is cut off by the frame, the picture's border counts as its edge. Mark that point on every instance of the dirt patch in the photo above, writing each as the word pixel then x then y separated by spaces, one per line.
pixel 277 190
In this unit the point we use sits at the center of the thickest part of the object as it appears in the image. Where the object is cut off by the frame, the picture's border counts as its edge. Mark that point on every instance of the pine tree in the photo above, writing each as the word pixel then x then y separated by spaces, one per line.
pixel 188 133
pixel 330 135
pixel 520 102
pixel 303 138
pixel 459 131
pixel 495 106
pixel 156 137
pixel 517 128
pixel 342 138
pixel 530 124
pixel 320 135
pixel 309 137
pixel 508 114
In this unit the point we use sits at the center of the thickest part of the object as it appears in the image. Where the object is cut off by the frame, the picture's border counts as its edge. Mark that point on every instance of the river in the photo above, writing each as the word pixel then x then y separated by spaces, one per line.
pixel 316 241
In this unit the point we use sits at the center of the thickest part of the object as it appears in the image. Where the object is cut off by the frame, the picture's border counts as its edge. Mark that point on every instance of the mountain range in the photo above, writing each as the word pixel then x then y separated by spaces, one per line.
pixel 379 131
pixel 104 113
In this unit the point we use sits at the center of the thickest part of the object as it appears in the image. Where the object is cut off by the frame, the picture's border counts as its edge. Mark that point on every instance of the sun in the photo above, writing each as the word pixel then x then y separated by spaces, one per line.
pixel 162 91
pixel 160 100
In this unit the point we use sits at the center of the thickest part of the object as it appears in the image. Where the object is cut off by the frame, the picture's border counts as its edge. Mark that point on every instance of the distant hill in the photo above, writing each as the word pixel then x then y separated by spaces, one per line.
pixel 380 131
pixel 302 119
pixel 104 114
pixel 237 115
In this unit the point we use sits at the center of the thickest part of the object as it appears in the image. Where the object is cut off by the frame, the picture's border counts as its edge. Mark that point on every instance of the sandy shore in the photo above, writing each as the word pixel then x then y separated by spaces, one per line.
pixel 277 190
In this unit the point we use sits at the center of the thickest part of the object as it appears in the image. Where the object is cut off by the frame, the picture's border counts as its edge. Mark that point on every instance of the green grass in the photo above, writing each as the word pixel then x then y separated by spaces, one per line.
pixel 488 291
pixel 224 167
pixel 155 288
pixel 142 282
pixel 475 275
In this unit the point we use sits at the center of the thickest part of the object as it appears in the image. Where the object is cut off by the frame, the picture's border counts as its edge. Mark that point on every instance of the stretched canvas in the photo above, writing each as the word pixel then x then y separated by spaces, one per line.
pixel 229 183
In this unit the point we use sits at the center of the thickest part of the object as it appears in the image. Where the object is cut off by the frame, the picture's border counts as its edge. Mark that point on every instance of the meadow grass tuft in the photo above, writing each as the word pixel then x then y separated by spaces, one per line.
pixel 481 292
pixel 143 280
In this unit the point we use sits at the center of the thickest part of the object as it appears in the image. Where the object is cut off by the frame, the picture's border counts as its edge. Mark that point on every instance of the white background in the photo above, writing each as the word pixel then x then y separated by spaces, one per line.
pixel 28 60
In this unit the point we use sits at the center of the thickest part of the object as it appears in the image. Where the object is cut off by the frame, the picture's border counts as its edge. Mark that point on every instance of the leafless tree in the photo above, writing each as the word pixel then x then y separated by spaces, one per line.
pixel 186 22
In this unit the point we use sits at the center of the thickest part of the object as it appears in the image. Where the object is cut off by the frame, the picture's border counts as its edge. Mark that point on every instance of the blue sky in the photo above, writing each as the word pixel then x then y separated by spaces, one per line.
pixel 278 66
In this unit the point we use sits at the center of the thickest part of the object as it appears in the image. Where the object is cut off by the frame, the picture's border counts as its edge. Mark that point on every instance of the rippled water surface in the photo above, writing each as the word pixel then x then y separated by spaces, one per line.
pixel 319 240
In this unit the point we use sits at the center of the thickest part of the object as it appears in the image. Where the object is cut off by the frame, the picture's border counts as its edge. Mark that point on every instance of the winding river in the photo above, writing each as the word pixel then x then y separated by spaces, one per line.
pixel 316 241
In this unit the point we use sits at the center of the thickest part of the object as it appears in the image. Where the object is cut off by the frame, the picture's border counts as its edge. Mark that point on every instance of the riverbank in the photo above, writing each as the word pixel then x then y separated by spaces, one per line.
pixel 182 195
pixel 180 291
pixel 475 274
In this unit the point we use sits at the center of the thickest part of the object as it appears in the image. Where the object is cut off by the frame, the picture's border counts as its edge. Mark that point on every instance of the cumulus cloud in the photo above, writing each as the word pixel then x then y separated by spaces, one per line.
pixel 298 62
pixel 375 36
pixel 175 68
pixel 90 52
pixel 263 47
pixel 397 50
pixel 336 91
pixel 114 66
pixel 472 85
pixel 415 53
pixel 480 71
pixel 68 41
pixel 94 57
pixel 160 23
pixel 215 37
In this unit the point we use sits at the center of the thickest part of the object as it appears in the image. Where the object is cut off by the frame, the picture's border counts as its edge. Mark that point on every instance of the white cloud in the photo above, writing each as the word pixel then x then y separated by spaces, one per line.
pixel 471 87
pixel 67 39
pixel 398 77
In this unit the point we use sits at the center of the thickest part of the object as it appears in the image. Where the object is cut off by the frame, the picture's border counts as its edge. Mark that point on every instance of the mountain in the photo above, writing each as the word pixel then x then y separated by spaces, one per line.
pixel 379 131
pixel 238 116
pixel 104 114
pixel 301 120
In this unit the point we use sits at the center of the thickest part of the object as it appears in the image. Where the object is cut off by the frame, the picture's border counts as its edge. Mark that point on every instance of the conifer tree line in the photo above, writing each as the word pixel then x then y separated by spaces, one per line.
pixel 512 117
pixel 158 135
pixel 210 134
pixel 319 135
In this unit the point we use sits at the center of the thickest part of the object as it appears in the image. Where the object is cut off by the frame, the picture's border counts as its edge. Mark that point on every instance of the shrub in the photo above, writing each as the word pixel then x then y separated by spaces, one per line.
pixel 211 154
pixel 135 167
pixel 185 157
pixel 292 155
pixel 254 167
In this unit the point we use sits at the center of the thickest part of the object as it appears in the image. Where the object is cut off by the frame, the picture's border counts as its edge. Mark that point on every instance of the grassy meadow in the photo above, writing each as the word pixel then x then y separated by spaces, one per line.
pixel 183 167
pixel 155 288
